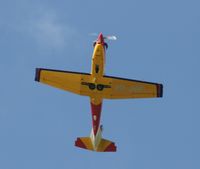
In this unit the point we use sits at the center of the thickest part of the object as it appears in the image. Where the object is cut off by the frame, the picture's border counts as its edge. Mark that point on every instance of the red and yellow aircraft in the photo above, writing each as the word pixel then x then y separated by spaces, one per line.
pixel 98 86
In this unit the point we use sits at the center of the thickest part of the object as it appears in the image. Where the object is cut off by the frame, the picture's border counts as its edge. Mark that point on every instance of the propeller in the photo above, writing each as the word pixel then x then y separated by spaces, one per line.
pixel 109 37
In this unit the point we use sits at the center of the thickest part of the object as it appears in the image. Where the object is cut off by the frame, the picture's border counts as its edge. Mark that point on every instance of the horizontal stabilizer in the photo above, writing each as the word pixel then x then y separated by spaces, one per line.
pixel 84 142
pixel 104 145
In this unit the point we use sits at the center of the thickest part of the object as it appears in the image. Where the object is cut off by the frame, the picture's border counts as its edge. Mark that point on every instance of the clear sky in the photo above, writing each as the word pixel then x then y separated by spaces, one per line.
pixel 158 41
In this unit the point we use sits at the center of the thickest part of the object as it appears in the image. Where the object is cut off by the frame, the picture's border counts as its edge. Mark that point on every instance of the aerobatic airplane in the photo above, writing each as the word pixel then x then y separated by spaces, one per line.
pixel 98 86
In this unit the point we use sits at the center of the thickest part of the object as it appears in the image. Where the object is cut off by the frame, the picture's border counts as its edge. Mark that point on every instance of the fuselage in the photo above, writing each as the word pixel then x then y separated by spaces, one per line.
pixel 97 72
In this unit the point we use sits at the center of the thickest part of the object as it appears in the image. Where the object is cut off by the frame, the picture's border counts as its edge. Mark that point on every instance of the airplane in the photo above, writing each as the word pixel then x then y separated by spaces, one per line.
pixel 98 86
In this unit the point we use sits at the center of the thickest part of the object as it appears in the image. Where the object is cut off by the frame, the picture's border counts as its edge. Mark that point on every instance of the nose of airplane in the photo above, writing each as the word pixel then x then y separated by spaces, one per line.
pixel 100 39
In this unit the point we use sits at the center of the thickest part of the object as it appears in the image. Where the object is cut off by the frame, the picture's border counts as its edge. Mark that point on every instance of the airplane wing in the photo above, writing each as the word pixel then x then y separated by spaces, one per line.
pixel 65 80
pixel 120 88
pixel 107 87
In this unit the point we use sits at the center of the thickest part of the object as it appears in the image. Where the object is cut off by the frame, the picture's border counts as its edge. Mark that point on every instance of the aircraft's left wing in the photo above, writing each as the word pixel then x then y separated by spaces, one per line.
pixel 65 80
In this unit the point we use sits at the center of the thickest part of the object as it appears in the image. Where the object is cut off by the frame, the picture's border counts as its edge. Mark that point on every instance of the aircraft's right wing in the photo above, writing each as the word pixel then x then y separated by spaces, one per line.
pixel 65 80
pixel 120 88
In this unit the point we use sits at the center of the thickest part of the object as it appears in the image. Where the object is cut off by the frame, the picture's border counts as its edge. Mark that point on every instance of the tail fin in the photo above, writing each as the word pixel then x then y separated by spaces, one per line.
pixel 104 145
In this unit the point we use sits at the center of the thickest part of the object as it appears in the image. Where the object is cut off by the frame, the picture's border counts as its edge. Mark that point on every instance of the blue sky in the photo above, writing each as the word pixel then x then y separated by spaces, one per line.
pixel 158 41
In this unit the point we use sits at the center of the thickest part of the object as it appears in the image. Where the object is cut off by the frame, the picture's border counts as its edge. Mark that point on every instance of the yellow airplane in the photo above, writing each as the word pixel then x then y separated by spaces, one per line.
pixel 98 86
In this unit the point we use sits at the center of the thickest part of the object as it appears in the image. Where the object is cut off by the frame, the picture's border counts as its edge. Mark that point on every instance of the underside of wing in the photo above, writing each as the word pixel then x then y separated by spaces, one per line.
pixel 65 80
pixel 121 88
pixel 106 87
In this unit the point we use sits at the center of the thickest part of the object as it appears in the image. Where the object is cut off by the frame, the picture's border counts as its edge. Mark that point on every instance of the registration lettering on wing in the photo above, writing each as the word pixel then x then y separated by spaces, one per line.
pixel 136 89
pixel 120 88
pixel 131 89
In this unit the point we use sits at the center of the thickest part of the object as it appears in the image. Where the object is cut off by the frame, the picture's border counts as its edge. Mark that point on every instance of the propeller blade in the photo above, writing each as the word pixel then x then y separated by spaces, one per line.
pixel 93 34
pixel 105 37
pixel 110 37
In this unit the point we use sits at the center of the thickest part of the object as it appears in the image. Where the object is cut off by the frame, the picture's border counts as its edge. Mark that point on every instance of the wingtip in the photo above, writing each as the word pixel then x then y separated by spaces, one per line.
pixel 159 90
pixel 111 148
pixel 37 74
pixel 80 143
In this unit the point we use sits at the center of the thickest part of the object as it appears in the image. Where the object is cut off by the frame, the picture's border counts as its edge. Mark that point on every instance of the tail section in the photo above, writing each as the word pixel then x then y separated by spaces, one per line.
pixel 103 146
pixel 106 146
pixel 84 142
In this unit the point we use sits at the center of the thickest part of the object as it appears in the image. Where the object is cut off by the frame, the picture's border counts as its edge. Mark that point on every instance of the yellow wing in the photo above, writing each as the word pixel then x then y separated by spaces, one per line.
pixel 120 88
pixel 65 80
pixel 106 87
